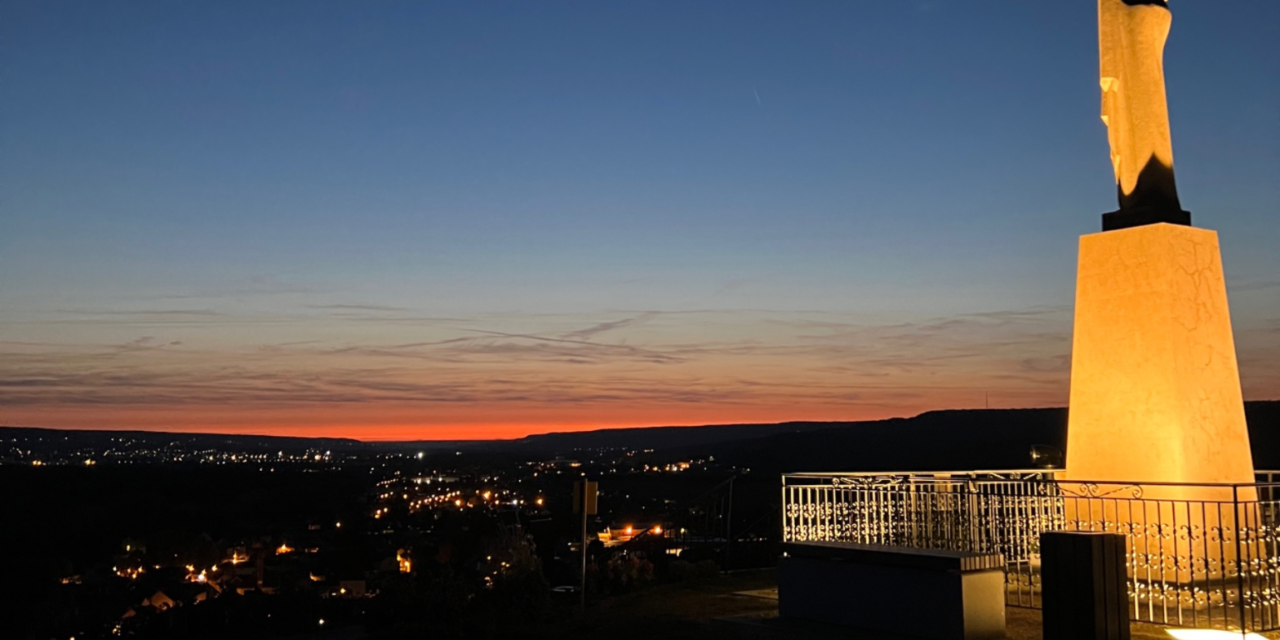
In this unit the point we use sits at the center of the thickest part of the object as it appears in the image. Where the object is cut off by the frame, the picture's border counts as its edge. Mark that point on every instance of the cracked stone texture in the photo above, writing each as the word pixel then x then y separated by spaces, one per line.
pixel 1155 390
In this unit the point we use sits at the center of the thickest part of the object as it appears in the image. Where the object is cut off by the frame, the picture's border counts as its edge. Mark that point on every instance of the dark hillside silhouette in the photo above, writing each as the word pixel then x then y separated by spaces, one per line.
pixel 949 440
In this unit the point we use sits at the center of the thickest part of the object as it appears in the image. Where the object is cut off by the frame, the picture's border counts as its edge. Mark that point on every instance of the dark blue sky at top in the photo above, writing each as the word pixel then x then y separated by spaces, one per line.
pixel 546 156
pixel 479 219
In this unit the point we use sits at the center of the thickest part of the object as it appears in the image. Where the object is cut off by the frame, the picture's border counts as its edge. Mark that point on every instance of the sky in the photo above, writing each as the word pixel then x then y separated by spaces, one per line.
pixel 421 220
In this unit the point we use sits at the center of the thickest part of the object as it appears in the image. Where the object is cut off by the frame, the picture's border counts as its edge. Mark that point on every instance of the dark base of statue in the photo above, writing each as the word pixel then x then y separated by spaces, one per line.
pixel 1126 218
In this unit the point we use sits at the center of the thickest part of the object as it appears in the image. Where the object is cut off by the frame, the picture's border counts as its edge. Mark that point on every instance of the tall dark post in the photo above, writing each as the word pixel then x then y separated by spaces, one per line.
pixel 1084 586
pixel 728 528
pixel 585 493
pixel 582 592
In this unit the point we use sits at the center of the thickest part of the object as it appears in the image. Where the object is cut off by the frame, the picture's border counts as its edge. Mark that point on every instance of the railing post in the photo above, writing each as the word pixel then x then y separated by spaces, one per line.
pixel 1235 516
pixel 784 508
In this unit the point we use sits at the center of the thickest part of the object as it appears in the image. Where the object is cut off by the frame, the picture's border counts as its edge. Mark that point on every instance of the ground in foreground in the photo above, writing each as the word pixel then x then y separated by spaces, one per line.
pixel 740 605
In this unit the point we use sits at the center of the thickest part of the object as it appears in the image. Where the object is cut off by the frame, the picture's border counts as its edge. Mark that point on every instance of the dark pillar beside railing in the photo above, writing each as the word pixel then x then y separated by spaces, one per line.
pixel 1084 586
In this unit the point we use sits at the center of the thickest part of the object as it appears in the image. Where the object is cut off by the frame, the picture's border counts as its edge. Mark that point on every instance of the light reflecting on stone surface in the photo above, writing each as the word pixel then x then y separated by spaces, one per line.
pixel 1155 390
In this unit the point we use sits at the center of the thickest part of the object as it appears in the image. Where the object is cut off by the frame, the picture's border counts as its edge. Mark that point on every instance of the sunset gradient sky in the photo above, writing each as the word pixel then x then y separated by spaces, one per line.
pixel 466 220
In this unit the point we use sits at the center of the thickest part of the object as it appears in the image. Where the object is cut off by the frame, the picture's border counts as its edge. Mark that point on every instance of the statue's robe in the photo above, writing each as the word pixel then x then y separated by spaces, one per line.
pixel 1131 39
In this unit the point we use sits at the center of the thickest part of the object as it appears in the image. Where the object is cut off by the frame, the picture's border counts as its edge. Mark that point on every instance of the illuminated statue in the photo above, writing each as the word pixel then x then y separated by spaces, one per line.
pixel 1131 37
pixel 1155 385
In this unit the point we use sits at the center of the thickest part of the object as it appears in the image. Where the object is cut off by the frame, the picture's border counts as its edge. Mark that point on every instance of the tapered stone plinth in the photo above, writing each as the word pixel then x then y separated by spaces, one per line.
pixel 1155 398
pixel 1155 390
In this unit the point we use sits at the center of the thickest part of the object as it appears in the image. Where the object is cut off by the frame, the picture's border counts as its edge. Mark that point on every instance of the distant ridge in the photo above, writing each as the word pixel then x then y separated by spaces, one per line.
pixel 943 439
pixel 665 437
pixel 76 438
pixel 952 439
pixel 92 436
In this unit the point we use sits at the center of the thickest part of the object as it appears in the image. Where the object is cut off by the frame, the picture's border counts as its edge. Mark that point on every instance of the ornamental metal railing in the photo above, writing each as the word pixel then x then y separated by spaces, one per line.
pixel 1204 555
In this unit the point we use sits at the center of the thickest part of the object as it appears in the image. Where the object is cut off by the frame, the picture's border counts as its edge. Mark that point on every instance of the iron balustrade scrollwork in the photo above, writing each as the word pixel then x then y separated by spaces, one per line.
pixel 1198 555
pixel 1092 490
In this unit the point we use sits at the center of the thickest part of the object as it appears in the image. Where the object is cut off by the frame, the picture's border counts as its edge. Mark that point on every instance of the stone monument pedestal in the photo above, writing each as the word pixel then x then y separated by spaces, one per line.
pixel 1155 398
pixel 1155 390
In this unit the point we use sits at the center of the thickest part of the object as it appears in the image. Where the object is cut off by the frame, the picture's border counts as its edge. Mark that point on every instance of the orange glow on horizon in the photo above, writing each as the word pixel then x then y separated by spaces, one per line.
pixel 381 423
pixel 373 432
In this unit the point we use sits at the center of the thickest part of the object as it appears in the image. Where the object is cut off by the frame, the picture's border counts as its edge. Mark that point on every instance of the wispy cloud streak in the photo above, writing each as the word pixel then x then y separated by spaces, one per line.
pixel 500 363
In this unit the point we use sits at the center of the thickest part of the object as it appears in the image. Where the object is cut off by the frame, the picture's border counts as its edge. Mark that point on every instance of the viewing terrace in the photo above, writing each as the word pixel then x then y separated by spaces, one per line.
pixel 1203 556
